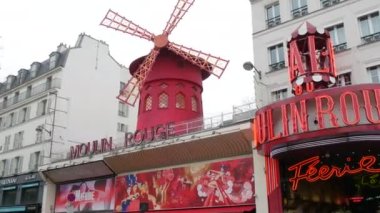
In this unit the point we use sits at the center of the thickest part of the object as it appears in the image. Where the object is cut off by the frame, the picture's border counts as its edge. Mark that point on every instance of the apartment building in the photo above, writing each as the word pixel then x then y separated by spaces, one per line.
pixel 354 26
pixel 68 99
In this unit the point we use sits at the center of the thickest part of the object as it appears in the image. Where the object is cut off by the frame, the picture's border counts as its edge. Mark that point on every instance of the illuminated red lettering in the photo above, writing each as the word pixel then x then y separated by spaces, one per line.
pixel 284 115
pixel 329 111
pixel 299 117
pixel 271 135
pixel 308 170
pixel 261 128
pixel 368 106
pixel 355 108
pixel 295 62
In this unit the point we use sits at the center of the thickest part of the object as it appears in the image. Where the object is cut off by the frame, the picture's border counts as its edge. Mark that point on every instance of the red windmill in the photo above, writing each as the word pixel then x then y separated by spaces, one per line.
pixel 169 79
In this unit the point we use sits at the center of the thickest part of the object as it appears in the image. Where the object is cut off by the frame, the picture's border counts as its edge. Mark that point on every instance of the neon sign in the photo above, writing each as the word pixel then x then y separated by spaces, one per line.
pixel 347 108
pixel 315 173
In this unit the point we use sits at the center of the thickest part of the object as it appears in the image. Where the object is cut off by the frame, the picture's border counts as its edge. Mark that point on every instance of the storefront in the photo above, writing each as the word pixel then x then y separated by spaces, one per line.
pixel 321 147
pixel 22 193
pixel 206 171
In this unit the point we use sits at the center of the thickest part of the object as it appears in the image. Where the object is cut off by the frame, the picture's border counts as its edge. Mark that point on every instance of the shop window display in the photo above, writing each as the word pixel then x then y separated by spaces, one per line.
pixel 346 181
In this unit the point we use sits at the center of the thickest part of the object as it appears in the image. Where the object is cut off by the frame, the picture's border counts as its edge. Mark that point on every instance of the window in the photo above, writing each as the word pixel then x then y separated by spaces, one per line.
pixel 16 165
pixel 9 196
pixel 11 120
pixel 34 160
pixel 180 101
pixel 7 142
pixel 279 94
pixel 163 86
pixel 23 115
pixel 121 127
pixel 123 109
pixel 2 167
pixel 328 3
pixel 299 8
pixel 53 60
pixel 29 91
pixel 39 136
pixel 338 37
pixel 194 104
pixel 5 102
pixel 122 85
pixel 41 108
pixel 374 73
pixel 48 82
pixel 29 193
pixel 273 15
pixel 15 98
pixel 17 142
pixel 344 79
pixel 148 103
pixel 163 101
pixel 276 57
pixel 370 27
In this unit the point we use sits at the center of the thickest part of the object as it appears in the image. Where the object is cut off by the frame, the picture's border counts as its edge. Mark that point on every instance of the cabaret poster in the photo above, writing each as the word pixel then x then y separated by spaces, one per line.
pixel 201 185
pixel 85 196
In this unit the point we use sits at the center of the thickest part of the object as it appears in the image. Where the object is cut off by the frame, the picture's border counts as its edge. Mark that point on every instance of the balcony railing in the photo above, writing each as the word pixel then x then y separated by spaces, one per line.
pixel 371 38
pixel 274 21
pixel 240 114
pixel 328 3
pixel 340 47
pixel 277 66
pixel 301 11
pixel 55 83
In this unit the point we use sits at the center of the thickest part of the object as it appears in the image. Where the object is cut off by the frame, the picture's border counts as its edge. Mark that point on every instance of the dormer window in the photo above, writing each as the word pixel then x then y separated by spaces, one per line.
pixel 35 67
pixel 53 60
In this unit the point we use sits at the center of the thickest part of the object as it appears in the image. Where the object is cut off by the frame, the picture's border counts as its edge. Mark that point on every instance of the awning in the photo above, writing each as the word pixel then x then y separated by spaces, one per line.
pixel 77 172
pixel 209 145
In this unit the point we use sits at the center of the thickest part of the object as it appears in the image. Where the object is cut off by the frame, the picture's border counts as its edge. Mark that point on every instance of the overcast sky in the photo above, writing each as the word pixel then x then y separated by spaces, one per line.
pixel 31 30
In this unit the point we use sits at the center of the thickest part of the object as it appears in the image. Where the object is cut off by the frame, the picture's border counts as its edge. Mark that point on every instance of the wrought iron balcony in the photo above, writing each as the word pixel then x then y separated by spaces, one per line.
pixel 371 38
pixel 274 21
pixel 340 47
pixel 55 83
pixel 328 3
pixel 301 11
pixel 277 66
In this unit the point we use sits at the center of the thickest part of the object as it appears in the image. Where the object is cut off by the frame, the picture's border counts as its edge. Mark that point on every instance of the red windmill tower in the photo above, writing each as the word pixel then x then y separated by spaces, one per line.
pixel 169 79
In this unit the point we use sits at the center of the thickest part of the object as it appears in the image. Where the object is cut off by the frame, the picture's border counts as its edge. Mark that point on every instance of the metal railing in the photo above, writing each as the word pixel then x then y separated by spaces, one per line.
pixel 239 114
pixel 371 38
pixel 273 21
pixel 55 83
pixel 301 11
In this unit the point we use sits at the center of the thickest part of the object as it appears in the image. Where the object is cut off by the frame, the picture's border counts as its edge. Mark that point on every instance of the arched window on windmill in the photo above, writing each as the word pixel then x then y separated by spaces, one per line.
pixel 163 101
pixel 180 101
pixel 148 103
pixel 194 104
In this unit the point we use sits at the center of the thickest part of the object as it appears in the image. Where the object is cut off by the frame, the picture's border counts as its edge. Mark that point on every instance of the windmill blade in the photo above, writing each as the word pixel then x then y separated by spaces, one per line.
pixel 130 92
pixel 212 64
pixel 115 21
pixel 179 11
pixel 146 66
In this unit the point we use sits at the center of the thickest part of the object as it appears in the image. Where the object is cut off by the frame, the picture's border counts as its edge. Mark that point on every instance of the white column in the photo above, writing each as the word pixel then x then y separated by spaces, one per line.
pixel 48 197
pixel 260 182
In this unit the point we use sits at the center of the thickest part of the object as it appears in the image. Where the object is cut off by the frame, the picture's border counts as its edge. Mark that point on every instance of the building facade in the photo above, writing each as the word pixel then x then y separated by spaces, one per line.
pixel 67 99
pixel 202 165
pixel 349 137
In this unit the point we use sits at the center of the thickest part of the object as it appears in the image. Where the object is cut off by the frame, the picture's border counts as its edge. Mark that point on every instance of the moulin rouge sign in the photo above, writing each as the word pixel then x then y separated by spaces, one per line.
pixel 159 132
pixel 330 108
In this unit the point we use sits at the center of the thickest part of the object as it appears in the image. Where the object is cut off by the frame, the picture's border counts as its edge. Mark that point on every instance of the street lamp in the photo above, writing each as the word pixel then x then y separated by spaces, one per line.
pixel 249 66
pixel 41 128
